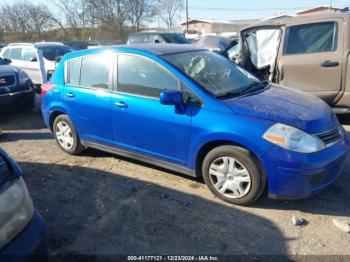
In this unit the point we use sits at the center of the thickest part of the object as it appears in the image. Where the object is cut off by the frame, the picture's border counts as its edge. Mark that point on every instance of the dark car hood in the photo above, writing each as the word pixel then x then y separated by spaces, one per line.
pixel 7 69
pixel 287 106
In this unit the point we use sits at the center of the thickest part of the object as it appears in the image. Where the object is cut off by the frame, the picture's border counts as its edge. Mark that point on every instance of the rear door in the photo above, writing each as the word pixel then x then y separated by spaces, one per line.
pixel 87 94
pixel 311 58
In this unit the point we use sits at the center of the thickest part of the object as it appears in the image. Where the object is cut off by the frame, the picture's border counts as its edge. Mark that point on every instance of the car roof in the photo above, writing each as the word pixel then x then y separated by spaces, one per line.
pixel 156 49
pixel 300 20
pixel 37 44
pixel 154 33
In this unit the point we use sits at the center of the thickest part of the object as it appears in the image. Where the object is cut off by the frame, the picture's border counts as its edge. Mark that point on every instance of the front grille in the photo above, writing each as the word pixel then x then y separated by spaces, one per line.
pixel 7 81
pixel 330 137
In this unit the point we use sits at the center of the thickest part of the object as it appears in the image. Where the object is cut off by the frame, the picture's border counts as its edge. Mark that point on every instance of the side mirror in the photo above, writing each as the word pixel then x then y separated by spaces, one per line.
pixel 7 60
pixel 33 59
pixel 156 41
pixel 173 97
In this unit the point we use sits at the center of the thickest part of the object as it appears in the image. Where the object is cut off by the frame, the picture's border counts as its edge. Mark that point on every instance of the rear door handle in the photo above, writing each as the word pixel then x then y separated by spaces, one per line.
pixel 121 104
pixel 70 95
pixel 329 63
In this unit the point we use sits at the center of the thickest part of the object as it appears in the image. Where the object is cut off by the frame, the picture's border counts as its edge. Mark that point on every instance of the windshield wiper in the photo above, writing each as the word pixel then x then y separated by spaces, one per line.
pixel 256 86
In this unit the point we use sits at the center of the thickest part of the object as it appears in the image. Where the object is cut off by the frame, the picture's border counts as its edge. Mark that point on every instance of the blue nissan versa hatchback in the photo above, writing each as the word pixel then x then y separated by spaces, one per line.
pixel 193 111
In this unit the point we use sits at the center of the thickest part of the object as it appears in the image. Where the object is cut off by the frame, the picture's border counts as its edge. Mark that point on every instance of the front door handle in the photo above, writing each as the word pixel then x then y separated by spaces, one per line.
pixel 329 63
pixel 121 104
pixel 70 95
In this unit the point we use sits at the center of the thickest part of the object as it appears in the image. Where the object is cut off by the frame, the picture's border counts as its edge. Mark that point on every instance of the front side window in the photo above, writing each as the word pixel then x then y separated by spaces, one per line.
pixel 141 76
pixel 311 38
pixel 214 73
pixel 16 53
pixel 95 71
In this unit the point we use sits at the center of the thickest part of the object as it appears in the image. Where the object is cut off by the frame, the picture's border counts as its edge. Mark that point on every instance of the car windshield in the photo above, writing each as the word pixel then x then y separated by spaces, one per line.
pixel 53 52
pixel 175 38
pixel 214 73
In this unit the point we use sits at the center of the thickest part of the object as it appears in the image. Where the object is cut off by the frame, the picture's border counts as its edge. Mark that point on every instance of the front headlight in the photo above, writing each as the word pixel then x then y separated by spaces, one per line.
pixel 293 139
pixel 16 211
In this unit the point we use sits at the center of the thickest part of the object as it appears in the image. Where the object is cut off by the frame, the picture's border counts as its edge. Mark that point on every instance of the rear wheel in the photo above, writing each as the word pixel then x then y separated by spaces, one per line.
pixel 232 174
pixel 66 136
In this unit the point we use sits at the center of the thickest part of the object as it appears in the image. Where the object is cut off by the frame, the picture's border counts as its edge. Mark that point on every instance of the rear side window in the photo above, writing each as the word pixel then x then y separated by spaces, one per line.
pixel 138 38
pixel 89 71
pixel 311 38
pixel 95 72
pixel 16 53
pixel 73 76
pixel 28 54
pixel 142 76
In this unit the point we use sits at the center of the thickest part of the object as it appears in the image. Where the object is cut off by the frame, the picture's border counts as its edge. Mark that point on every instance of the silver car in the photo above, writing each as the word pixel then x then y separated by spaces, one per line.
pixel 24 56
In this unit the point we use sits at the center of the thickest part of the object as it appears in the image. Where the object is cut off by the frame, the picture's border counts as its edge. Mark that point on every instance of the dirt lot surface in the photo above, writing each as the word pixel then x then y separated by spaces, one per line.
pixel 98 203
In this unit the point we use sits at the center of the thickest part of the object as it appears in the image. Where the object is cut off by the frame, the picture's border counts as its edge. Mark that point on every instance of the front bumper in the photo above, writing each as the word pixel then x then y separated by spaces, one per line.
pixel 17 99
pixel 30 244
pixel 293 175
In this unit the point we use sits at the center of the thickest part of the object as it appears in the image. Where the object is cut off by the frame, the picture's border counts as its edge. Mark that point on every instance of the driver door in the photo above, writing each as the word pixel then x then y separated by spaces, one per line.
pixel 140 122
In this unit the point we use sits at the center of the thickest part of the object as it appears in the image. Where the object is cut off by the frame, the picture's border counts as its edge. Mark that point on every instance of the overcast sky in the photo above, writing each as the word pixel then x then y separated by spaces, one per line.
pixel 242 9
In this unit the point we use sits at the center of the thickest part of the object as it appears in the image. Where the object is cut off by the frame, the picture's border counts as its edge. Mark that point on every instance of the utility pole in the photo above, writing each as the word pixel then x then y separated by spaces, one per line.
pixel 330 4
pixel 158 14
pixel 186 16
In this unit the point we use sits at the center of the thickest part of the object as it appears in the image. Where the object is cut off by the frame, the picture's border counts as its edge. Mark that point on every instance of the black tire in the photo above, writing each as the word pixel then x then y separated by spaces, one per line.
pixel 245 158
pixel 76 148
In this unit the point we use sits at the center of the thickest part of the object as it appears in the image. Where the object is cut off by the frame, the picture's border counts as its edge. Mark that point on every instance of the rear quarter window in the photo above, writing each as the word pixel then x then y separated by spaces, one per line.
pixel 311 38
pixel 73 74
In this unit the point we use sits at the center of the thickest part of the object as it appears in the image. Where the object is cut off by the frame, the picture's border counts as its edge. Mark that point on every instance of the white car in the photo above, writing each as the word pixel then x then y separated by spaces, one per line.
pixel 24 56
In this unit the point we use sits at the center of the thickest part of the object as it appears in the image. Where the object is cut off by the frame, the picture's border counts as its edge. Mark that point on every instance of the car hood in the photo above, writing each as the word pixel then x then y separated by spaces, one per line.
pixel 7 69
pixel 287 106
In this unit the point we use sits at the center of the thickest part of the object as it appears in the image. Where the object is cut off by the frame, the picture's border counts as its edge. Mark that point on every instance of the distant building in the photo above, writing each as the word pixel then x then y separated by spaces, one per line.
pixel 203 26
pixel 319 10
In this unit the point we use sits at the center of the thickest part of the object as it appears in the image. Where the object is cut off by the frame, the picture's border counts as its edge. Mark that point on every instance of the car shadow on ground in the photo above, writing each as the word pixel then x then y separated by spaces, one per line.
pixel 21 120
pixel 333 201
pixel 120 215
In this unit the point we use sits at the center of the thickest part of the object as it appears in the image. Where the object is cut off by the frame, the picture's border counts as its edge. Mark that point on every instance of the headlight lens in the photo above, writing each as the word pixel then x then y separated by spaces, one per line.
pixel 293 139
pixel 16 211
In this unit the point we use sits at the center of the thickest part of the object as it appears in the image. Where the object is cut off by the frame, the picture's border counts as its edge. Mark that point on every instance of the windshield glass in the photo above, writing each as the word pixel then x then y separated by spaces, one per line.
pixel 53 52
pixel 216 74
pixel 175 38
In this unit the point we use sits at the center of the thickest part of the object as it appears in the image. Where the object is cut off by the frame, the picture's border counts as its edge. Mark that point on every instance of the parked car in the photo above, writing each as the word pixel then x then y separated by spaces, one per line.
pixel 193 111
pixel 23 231
pixel 24 56
pixel 309 53
pixel 225 46
pixel 157 38
pixel 16 88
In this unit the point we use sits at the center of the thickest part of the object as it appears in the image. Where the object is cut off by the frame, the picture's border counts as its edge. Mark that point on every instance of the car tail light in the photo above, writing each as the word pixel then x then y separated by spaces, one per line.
pixel 46 87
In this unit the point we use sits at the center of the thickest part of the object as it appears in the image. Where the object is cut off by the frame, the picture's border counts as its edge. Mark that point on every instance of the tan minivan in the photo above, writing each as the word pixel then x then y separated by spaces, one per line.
pixel 310 53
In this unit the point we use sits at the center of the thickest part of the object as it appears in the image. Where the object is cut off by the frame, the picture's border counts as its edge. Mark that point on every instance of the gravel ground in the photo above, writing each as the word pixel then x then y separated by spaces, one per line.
pixel 98 203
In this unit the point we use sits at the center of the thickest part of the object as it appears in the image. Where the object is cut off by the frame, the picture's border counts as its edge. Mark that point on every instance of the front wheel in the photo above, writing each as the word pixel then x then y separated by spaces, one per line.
pixel 66 136
pixel 232 174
